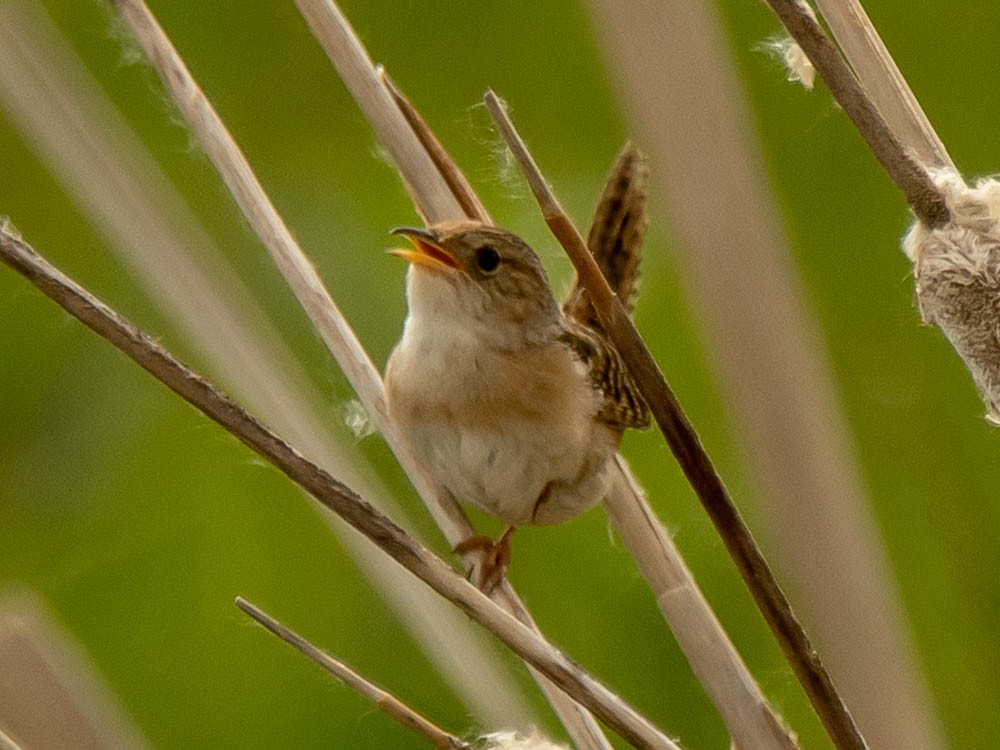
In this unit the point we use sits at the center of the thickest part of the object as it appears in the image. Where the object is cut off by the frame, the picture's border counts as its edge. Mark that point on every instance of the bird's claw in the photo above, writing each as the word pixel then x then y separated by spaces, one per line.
pixel 494 559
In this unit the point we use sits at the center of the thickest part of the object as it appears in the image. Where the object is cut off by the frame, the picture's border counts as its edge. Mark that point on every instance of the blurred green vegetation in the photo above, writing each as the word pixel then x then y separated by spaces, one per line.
pixel 140 521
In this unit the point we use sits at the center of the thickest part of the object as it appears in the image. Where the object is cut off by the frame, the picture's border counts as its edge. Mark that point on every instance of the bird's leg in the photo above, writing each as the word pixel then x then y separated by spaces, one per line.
pixel 493 561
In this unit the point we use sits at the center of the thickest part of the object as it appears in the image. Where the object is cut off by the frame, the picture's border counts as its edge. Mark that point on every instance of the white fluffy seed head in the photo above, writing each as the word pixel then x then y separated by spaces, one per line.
pixel 957 273
pixel 357 419
pixel 516 741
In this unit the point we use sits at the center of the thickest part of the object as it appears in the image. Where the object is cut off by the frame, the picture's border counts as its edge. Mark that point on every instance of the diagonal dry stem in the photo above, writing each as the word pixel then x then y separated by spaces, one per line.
pixel 881 78
pixel 446 167
pixel 892 153
pixel 383 700
pixel 7 742
pixel 751 721
pixel 431 195
pixel 677 78
pixel 691 455
pixel 433 571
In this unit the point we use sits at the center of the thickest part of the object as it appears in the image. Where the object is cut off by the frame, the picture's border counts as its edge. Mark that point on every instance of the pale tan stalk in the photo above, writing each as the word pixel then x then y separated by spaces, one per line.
pixel 435 202
pixel 7 742
pixel 92 152
pixel 881 78
pixel 52 694
pixel 431 195
pixel 446 167
pixel 152 357
pixel 748 716
pixel 383 700
pixel 677 81
pixel 897 158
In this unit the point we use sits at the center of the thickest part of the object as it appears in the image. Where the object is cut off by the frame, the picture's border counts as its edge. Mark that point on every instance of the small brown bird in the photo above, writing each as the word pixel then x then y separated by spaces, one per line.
pixel 509 403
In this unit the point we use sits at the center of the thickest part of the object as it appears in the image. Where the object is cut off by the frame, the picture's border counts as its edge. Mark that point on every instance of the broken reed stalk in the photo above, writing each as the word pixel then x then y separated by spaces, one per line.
pixel 434 201
pixel 691 455
pixel 750 719
pixel 383 700
pixel 925 199
pixel 433 571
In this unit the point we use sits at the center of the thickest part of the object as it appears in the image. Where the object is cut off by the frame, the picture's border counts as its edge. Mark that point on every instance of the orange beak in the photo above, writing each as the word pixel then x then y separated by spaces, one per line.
pixel 426 250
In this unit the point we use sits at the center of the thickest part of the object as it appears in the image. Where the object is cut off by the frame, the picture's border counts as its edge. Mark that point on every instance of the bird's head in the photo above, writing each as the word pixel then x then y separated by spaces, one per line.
pixel 481 277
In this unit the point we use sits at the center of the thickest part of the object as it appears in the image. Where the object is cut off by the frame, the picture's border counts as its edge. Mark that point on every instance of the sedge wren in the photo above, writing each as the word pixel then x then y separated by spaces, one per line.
pixel 509 402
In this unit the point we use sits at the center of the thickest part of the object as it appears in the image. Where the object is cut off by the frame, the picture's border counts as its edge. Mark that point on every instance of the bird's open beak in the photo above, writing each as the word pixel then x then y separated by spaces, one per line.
pixel 427 252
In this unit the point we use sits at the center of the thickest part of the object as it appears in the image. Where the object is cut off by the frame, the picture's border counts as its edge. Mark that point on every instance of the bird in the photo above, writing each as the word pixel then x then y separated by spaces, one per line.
pixel 509 401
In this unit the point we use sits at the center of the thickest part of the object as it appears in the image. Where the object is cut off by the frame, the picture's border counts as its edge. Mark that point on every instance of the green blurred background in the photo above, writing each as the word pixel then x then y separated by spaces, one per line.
pixel 139 521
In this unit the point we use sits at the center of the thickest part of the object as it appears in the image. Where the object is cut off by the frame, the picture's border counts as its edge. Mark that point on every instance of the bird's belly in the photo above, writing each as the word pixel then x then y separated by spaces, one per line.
pixel 519 475
pixel 524 446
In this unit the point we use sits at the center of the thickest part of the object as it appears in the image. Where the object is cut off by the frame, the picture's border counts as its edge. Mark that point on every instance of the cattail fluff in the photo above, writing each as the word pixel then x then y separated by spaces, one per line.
pixel 515 741
pixel 798 67
pixel 957 272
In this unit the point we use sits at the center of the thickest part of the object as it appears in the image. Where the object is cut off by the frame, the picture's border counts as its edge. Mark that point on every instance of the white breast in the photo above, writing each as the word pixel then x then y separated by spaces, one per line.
pixel 499 431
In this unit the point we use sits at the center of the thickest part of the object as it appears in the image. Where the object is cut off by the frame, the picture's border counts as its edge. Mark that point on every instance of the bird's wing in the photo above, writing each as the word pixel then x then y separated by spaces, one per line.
pixel 621 404
pixel 616 234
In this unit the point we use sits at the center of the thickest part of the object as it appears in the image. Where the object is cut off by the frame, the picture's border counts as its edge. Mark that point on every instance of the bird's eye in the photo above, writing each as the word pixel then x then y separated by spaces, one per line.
pixel 487 259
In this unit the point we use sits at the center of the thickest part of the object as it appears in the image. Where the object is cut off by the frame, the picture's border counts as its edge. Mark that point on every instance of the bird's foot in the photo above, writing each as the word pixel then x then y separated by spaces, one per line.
pixel 494 558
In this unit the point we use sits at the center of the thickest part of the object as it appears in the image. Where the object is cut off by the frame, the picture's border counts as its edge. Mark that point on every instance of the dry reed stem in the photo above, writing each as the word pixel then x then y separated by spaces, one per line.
pixel 749 718
pixel 954 265
pixel 881 78
pixel 435 204
pixel 100 162
pixel 431 195
pixel 457 184
pixel 433 571
pixel 691 455
pixel 910 176
pixel 52 693
pixel 7 742
pixel 383 700
pixel 674 68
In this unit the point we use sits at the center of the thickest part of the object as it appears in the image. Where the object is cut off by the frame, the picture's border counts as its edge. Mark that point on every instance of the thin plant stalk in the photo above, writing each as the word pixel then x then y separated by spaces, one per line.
pixel 446 167
pixel 673 66
pixel 152 357
pixel 752 722
pixel 431 195
pixel 910 176
pixel 881 78
pixel 7 742
pixel 383 700
pixel 691 455
pixel 309 288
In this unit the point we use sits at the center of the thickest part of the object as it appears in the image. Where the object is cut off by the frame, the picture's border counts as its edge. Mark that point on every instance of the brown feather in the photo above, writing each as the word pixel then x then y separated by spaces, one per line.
pixel 615 240
pixel 621 405
pixel 616 234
